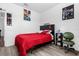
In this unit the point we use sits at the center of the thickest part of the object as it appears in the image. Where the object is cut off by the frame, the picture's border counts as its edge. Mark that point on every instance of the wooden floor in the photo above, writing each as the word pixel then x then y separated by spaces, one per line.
pixel 43 51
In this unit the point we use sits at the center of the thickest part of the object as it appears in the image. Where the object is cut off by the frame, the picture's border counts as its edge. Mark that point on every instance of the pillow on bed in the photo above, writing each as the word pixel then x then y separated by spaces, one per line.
pixel 45 32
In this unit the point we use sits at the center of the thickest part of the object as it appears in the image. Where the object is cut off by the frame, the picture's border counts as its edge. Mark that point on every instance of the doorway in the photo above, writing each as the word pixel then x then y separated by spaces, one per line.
pixel 2 18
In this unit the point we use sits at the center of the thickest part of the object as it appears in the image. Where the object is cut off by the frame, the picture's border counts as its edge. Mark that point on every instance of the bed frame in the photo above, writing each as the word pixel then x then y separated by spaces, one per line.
pixel 40 45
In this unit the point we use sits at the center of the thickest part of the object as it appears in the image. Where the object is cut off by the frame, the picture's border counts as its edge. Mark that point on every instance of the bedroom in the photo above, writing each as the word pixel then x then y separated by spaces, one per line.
pixel 45 14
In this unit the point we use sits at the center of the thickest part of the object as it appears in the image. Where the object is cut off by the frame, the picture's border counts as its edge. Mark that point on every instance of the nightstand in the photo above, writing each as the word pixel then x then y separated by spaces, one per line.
pixel 59 39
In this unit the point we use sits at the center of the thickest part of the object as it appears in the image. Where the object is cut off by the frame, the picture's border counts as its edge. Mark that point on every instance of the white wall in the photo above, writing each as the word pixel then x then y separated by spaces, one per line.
pixel 54 16
pixel 18 24
pixel 2 22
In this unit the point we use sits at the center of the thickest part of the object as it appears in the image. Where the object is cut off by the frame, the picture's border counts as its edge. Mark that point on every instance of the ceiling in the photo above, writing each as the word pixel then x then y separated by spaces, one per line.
pixel 39 7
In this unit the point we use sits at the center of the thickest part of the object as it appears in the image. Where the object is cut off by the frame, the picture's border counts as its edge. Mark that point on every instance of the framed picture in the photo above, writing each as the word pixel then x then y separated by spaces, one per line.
pixel 9 19
pixel 27 15
pixel 68 12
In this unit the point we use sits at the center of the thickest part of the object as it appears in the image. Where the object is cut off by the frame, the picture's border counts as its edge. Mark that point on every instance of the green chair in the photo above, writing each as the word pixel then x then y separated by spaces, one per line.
pixel 68 37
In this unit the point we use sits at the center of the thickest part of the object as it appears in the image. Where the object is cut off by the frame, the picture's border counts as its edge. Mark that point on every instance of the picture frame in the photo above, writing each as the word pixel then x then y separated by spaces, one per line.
pixel 27 15
pixel 9 19
pixel 68 12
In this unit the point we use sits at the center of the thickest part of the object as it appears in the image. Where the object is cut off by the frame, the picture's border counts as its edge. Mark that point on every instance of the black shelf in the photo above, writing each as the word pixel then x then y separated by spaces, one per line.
pixel 59 36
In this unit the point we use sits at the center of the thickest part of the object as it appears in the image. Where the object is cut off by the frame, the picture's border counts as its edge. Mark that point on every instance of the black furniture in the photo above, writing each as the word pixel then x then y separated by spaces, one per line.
pixel 59 39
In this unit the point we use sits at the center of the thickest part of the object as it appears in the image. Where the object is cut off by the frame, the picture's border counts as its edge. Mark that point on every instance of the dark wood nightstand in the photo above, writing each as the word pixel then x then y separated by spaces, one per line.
pixel 59 39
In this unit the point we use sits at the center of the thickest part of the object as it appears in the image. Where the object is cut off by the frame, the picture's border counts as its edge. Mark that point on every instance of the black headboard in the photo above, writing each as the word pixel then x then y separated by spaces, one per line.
pixel 48 27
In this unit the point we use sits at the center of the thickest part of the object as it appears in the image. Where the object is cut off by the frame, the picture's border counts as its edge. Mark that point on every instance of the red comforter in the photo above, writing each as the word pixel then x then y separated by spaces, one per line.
pixel 26 41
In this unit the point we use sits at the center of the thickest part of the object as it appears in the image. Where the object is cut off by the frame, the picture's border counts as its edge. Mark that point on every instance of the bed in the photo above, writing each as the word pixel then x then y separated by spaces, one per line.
pixel 24 42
